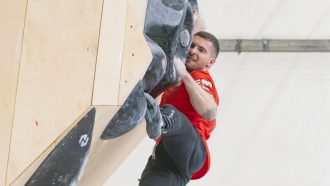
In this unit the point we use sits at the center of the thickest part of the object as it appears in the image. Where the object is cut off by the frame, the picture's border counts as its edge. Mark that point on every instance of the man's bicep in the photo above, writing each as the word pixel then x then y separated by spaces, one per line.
pixel 207 87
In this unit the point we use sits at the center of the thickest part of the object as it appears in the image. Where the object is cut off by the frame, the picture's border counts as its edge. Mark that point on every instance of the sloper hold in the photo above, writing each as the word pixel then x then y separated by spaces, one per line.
pixel 66 162
pixel 157 67
pixel 163 19
pixel 169 24
pixel 168 32
pixel 130 114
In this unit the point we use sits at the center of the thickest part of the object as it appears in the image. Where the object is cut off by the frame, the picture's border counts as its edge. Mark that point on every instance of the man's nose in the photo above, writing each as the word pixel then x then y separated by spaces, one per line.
pixel 192 50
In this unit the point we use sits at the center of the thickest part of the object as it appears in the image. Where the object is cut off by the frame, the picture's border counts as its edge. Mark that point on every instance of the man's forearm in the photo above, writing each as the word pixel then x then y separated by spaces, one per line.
pixel 202 101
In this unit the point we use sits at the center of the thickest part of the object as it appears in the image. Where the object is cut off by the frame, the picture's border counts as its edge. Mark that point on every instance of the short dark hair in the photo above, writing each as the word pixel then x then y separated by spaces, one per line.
pixel 210 37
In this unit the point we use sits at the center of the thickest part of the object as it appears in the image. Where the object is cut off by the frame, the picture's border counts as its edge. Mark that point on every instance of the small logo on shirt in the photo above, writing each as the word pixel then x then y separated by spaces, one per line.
pixel 205 84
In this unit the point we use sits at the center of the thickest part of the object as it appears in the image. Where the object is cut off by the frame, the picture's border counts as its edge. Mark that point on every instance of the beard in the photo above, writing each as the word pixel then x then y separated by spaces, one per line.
pixel 193 65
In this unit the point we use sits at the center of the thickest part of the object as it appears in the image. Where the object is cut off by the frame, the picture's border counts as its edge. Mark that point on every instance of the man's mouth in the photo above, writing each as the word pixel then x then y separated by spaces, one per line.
pixel 191 59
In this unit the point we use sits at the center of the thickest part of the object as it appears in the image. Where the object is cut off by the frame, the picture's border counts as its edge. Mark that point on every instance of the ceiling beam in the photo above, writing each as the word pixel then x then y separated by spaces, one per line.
pixel 274 45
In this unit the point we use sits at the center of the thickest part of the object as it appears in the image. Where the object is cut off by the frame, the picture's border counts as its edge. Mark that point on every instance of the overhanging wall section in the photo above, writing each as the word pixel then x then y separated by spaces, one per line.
pixel 56 75
pixel 63 43
pixel 123 59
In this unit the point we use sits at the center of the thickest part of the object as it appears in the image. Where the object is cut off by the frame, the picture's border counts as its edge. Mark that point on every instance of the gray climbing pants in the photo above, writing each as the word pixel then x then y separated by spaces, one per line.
pixel 180 154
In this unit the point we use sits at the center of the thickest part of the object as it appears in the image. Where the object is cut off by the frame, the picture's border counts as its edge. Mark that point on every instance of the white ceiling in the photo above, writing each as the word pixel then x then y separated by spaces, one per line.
pixel 271 19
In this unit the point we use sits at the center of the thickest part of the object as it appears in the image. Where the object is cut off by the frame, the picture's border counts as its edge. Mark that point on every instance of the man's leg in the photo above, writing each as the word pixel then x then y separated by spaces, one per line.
pixel 156 173
pixel 181 142
pixel 181 146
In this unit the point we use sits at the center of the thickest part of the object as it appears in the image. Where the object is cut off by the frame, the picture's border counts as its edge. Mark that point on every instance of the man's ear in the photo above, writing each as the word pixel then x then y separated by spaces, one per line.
pixel 211 62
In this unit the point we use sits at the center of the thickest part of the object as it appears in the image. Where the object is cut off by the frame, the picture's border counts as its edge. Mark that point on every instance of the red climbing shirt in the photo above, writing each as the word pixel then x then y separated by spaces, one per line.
pixel 179 98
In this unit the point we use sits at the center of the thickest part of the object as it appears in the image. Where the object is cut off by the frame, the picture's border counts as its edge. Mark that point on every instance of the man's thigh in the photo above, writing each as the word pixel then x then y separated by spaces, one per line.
pixel 157 174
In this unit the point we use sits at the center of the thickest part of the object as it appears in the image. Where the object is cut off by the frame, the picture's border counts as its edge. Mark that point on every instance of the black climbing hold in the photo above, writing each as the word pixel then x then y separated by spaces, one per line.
pixel 130 114
pixel 157 67
pixel 169 23
pixel 65 164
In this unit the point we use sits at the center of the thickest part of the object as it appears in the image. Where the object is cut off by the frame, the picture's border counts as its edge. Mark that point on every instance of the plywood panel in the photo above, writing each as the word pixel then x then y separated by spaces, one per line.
pixel 136 55
pixel 12 14
pixel 106 155
pixel 28 172
pixel 138 9
pixel 110 53
pixel 56 75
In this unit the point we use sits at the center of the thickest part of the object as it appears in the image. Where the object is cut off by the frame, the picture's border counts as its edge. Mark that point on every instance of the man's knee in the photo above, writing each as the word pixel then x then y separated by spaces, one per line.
pixel 168 109
pixel 175 122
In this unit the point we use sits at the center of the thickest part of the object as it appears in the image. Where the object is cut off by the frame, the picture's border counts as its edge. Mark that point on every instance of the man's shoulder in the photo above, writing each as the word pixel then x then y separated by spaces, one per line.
pixel 200 74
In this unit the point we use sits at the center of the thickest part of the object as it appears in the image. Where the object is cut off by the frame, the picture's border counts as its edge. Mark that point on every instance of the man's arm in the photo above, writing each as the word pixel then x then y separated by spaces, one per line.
pixel 202 101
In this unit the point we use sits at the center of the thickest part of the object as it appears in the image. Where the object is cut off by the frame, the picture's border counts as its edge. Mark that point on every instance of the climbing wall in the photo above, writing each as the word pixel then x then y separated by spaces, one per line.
pixel 131 55
pixel 59 59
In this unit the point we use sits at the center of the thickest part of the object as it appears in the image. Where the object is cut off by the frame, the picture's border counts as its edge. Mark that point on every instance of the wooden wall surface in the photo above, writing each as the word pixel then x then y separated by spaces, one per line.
pixel 12 16
pixel 58 60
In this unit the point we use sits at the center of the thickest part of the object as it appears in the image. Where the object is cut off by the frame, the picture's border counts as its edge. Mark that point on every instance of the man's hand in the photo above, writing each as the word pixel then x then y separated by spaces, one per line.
pixel 180 67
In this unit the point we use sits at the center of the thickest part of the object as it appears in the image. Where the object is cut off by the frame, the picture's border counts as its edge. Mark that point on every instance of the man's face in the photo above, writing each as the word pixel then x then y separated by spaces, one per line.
pixel 200 55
